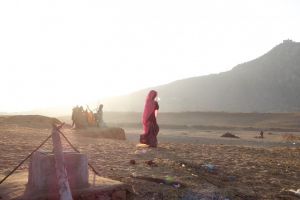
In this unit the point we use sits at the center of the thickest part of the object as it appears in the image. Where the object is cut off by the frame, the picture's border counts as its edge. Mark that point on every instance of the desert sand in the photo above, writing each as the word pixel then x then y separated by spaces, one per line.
pixel 188 163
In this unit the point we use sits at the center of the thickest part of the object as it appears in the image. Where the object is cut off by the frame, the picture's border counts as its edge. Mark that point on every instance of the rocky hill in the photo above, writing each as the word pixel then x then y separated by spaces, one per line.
pixel 270 83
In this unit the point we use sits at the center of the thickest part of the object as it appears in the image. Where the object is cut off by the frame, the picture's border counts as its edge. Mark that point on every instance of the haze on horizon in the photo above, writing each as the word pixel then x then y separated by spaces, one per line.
pixel 59 53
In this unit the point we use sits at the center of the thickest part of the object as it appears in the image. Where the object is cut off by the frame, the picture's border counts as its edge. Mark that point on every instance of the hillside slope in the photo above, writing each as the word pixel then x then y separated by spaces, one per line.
pixel 270 83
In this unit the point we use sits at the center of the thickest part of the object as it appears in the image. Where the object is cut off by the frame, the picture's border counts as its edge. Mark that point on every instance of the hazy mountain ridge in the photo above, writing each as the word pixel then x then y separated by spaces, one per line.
pixel 270 83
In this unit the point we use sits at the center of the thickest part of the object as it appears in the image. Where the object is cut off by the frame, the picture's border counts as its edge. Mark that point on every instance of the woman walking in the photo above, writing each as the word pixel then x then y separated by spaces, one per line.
pixel 150 125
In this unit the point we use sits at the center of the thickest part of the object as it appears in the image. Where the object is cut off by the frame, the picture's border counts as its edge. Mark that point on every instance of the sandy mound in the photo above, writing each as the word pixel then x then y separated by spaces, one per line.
pixel 110 133
pixel 229 135
pixel 33 121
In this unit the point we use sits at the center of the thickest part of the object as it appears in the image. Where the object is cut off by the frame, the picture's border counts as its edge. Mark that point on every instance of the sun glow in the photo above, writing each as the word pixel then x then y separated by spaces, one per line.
pixel 75 52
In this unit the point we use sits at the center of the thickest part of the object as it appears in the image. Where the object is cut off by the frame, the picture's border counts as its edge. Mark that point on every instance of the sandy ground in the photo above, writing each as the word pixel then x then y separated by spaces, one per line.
pixel 205 165
pixel 247 138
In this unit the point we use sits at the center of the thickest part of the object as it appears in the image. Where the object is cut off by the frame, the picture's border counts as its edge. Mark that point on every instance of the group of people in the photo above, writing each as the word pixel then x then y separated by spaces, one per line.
pixel 86 118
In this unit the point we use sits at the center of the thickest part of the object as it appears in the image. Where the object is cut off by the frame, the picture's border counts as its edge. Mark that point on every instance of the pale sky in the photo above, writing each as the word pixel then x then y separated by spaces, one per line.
pixel 68 52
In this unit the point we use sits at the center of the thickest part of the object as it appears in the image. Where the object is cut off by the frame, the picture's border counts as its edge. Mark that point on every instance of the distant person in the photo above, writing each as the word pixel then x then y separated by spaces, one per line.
pixel 80 110
pixel 150 125
pixel 90 117
pixel 99 117
pixel 74 112
pixel 79 117
pixel 261 134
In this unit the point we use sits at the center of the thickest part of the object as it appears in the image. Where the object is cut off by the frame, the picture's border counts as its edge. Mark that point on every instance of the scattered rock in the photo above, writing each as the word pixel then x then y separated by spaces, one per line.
pixel 151 163
pixel 132 162
pixel 210 168
pixel 229 135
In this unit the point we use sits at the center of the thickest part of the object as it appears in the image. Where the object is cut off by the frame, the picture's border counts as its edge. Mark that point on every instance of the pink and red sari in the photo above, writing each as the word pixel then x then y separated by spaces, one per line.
pixel 150 125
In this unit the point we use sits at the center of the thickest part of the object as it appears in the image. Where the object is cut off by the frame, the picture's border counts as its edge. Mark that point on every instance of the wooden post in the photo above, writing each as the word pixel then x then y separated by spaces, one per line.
pixel 61 172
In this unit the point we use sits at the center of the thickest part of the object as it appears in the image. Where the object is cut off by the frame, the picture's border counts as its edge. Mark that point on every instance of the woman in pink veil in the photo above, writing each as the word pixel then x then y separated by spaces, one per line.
pixel 150 125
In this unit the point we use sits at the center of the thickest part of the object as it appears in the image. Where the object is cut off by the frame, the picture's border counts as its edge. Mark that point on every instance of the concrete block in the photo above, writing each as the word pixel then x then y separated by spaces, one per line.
pixel 42 175
pixel 16 188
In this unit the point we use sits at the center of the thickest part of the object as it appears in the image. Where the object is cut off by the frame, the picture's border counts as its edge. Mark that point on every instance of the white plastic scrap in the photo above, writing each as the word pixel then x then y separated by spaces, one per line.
pixel 297 192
